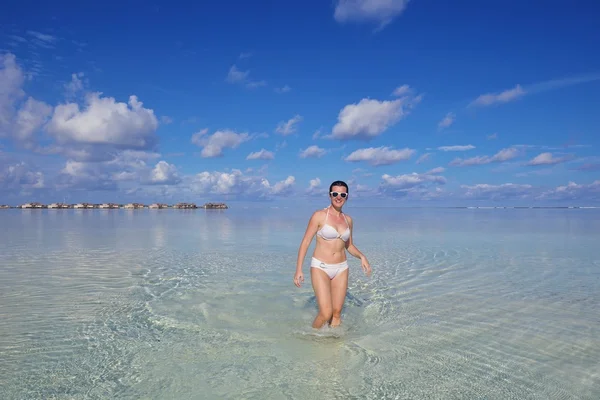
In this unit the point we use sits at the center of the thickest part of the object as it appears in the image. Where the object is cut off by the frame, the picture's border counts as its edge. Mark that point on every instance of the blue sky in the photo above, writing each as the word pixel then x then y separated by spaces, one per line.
pixel 414 102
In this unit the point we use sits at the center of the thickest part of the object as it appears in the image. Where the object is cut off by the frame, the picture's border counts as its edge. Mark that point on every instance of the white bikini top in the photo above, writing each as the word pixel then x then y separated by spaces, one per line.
pixel 328 232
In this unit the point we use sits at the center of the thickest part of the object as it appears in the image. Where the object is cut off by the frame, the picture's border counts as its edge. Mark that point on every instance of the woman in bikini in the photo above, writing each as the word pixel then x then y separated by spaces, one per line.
pixel 329 267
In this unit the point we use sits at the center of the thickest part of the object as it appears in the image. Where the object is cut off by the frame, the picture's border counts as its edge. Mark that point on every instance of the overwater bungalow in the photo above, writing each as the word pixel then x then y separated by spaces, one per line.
pixel 185 205
pixel 212 206
pixel 108 205
pixel 58 205
pixel 134 206
pixel 158 205
pixel 32 205
pixel 83 205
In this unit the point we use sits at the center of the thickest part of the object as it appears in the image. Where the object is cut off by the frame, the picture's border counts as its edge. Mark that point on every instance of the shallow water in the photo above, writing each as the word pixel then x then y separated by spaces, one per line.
pixel 162 304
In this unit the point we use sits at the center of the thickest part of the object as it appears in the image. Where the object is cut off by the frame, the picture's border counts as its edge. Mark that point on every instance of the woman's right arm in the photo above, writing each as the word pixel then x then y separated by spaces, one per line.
pixel 311 230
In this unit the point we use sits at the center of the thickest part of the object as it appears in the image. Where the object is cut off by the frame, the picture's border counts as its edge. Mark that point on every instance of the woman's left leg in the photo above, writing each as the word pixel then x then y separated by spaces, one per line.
pixel 322 287
pixel 339 286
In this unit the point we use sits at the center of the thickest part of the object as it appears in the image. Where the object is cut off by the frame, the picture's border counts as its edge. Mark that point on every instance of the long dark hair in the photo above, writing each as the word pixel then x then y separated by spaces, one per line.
pixel 339 183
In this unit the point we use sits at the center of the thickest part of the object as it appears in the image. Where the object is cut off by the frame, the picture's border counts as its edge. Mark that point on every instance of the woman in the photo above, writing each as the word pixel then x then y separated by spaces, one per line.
pixel 329 267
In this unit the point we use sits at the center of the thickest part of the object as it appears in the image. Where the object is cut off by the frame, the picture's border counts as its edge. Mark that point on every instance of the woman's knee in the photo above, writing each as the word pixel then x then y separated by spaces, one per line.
pixel 326 312
pixel 336 312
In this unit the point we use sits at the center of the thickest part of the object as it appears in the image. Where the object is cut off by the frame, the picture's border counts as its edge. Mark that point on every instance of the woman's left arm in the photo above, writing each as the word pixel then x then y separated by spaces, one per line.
pixel 353 250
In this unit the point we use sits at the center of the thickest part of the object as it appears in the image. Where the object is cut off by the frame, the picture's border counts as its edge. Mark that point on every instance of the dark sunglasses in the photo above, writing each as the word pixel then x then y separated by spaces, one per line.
pixel 335 194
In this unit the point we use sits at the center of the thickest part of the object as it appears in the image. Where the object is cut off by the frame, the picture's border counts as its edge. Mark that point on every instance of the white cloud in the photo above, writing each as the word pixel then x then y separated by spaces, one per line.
pixel 30 118
pixel 362 172
pixel 165 119
pixel 492 136
pixel 281 145
pixel 436 170
pixel 423 158
pixel 505 154
pixel 574 192
pixel 284 185
pixel 124 176
pixel 288 127
pixel 18 120
pixel 237 76
pixel 447 121
pixel 457 148
pixel 20 176
pixel 561 83
pixel 90 176
pixel 502 155
pixel 164 173
pixel 236 183
pixel 134 157
pixel 313 185
pixel 76 85
pixel 213 145
pixel 256 84
pixel 381 12
pixel 519 91
pixel 125 167
pixel 589 166
pixel 402 90
pixel 283 89
pixel 408 181
pixel 104 121
pixel 534 172
pixel 36 42
pixel 43 37
pixel 370 118
pixel 89 153
pixel 74 168
pixel 103 141
pixel 11 80
pixel 506 96
pixel 359 190
pixel 546 147
pixel 497 192
pixel 380 155
pixel 18 39
pixel 312 152
pixel 262 154
pixel 199 138
pixel 315 188
pixel 547 159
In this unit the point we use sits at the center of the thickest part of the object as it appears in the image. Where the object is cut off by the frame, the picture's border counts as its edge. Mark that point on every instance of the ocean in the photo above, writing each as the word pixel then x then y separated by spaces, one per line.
pixel 200 304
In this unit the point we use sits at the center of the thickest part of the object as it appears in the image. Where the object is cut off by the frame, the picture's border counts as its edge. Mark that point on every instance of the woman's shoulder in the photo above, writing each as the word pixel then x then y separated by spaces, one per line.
pixel 319 214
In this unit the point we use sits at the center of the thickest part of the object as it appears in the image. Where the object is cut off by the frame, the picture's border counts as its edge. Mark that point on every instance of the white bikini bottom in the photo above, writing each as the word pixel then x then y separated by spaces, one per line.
pixel 331 269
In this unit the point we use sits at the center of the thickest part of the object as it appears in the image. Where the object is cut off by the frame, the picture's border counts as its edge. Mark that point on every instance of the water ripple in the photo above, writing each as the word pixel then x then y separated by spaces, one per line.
pixel 160 306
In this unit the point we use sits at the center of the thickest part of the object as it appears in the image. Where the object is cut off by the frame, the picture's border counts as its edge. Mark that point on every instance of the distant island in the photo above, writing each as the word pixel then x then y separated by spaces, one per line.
pixel 36 205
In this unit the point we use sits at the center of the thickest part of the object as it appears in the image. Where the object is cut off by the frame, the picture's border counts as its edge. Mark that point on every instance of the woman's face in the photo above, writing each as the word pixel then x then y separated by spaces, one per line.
pixel 336 195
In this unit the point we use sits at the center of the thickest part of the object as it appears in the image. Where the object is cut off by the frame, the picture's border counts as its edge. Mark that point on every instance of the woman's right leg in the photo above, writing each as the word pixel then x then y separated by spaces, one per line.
pixel 322 286
pixel 339 286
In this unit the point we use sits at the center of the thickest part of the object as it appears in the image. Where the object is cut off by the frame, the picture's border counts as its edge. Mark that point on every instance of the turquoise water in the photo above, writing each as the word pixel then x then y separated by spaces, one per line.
pixel 190 304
